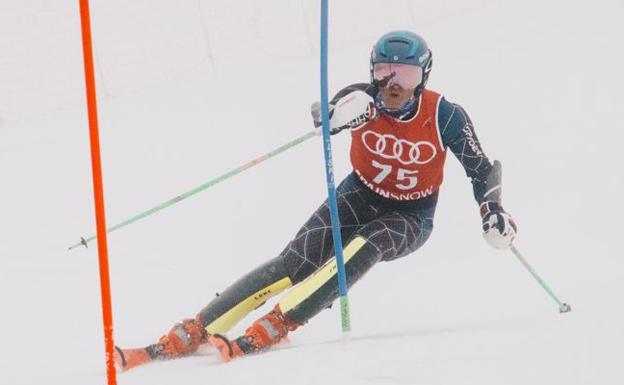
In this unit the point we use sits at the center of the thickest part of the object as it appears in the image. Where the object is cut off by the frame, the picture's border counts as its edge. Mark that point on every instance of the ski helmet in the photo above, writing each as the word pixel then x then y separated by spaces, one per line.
pixel 402 47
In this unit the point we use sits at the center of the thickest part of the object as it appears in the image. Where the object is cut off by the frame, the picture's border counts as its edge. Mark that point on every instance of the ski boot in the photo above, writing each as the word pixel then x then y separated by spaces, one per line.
pixel 183 339
pixel 261 335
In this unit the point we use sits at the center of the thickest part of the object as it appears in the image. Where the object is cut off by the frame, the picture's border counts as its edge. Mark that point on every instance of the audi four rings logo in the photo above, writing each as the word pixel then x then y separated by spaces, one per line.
pixel 390 147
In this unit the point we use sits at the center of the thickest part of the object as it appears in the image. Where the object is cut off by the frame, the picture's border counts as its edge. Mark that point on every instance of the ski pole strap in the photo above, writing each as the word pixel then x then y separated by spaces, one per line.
pixel 202 187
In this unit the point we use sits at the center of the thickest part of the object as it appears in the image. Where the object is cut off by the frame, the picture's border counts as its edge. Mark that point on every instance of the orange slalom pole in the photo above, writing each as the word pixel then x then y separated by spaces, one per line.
pixel 98 190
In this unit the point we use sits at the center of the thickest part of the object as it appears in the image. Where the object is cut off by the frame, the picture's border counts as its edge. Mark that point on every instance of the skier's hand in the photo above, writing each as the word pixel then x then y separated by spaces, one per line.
pixel 352 111
pixel 499 228
pixel 315 110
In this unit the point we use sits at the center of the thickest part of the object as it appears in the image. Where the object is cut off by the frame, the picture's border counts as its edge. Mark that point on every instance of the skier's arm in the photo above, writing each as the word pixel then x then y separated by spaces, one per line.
pixel 458 134
pixel 349 108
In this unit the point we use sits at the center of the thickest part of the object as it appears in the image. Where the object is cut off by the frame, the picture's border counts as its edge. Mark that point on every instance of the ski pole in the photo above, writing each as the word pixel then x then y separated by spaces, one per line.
pixel 202 187
pixel 563 307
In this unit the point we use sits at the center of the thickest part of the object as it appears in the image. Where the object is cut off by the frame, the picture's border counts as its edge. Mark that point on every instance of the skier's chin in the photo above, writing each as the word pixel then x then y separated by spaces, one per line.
pixel 396 97
pixel 395 101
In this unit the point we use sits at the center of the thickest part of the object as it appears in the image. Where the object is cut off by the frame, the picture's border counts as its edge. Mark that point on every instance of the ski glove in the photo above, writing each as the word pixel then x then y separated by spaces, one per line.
pixel 351 111
pixel 315 110
pixel 499 228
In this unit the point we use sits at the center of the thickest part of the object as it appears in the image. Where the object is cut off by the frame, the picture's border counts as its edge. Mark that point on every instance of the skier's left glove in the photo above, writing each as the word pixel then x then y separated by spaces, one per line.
pixel 499 228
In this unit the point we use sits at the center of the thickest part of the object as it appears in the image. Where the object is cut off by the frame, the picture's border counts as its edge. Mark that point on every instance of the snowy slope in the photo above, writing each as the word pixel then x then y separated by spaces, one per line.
pixel 190 89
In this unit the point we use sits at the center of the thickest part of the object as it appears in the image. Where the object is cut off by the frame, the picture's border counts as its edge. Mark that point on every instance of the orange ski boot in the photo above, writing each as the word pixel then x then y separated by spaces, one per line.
pixel 261 335
pixel 183 339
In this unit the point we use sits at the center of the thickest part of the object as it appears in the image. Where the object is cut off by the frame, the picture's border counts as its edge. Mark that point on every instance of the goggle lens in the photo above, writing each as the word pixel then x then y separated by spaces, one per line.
pixel 405 75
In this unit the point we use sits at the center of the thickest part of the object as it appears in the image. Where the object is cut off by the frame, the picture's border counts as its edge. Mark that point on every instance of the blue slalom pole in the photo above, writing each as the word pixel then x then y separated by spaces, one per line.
pixel 329 172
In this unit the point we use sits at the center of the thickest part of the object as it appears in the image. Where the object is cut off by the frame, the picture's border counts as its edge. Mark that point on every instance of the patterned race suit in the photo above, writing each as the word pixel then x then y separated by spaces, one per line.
pixel 386 208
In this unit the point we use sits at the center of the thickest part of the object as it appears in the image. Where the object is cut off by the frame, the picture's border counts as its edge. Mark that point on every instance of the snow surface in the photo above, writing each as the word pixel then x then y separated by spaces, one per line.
pixel 189 89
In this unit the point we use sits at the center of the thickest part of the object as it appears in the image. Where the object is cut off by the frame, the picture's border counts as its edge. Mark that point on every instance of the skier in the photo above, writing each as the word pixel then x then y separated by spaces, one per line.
pixel 400 135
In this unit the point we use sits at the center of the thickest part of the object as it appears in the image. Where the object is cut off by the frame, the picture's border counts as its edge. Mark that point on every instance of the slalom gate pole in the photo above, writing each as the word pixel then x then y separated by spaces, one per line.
pixel 563 307
pixel 202 187
pixel 329 172
pixel 98 190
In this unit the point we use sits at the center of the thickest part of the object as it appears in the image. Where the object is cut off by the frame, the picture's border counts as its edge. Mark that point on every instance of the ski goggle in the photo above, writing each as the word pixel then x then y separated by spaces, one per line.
pixel 405 75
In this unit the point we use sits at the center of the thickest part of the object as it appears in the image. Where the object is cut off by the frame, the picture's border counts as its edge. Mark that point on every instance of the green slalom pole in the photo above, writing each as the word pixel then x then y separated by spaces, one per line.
pixel 563 307
pixel 202 187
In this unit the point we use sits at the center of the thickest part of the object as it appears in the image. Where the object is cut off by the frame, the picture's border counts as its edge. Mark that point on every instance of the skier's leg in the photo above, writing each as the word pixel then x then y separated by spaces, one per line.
pixel 393 235
pixel 223 312
pixel 310 249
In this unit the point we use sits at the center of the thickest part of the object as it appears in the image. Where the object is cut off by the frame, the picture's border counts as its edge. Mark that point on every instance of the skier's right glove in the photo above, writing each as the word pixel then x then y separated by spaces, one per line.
pixel 351 111
pixel 499 228
pixel 315 110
